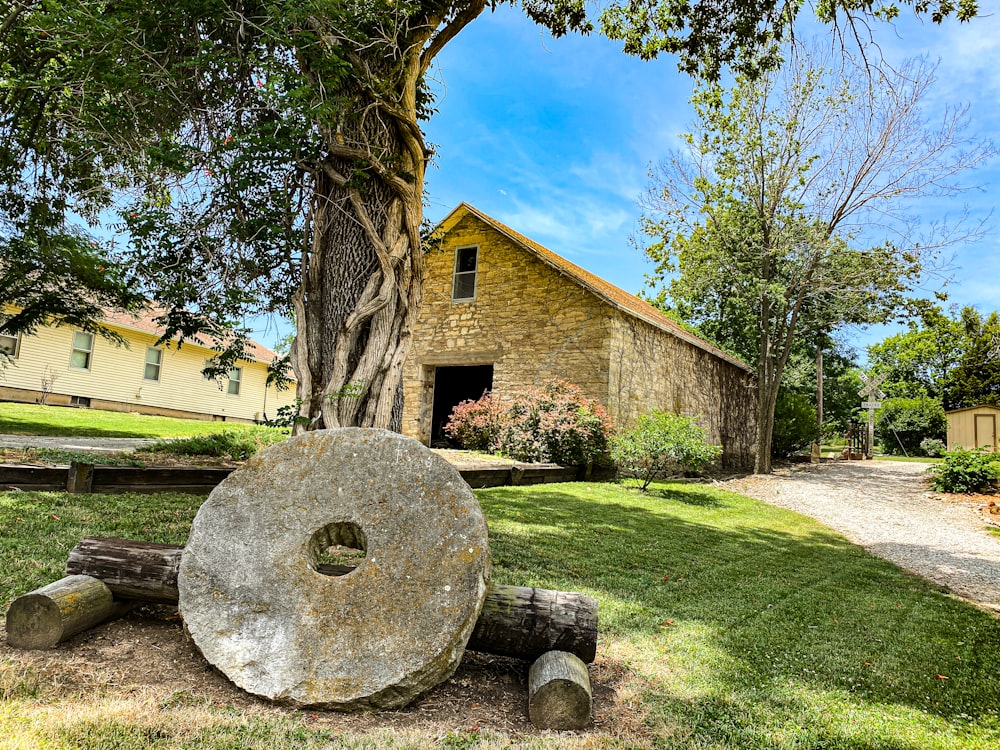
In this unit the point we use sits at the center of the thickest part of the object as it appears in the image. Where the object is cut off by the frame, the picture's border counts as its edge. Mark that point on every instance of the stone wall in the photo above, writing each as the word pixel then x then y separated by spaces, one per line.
pixel 533 323
pixel 527 320
pixel 652 369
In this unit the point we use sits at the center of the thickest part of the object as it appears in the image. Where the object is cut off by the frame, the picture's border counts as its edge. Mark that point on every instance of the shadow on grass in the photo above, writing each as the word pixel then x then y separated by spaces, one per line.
pixel 757 611
pixel 16 426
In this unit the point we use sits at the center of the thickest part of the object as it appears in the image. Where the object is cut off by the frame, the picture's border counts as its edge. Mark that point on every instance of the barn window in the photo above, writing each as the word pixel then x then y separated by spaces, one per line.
pixel 83 348
pixel 154 361
pixel 466 264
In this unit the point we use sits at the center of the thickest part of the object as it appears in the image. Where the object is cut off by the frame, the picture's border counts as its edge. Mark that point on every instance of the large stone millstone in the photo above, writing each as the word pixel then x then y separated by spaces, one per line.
pixel 260 603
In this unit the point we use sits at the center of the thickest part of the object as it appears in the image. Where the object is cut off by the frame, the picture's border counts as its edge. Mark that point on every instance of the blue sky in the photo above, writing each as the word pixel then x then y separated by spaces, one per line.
pixel 555 138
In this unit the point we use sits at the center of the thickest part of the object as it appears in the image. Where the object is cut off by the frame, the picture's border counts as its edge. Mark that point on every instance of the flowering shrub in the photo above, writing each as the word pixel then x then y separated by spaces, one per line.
pixel 554 423
pixel 660 444
pixel 476 425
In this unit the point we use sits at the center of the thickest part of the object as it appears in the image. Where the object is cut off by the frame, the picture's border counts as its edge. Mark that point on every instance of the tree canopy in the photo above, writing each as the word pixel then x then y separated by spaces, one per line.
pixel 267 155
pixel 758 223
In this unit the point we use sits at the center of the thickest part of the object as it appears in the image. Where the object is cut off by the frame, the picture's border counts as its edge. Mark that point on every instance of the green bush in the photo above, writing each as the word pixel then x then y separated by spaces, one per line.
pixel 965 471
pixel 238 445
pixel 932 447
pixel 903 423
pixel 794 423
pixel 660 444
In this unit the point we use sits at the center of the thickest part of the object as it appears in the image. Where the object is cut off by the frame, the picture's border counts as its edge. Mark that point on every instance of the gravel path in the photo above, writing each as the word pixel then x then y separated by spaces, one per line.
pixel 74 443
pixel 887 508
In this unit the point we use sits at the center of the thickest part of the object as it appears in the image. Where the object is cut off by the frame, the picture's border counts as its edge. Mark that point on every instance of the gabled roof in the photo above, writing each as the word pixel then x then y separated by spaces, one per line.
pixel 972 408
pixel 609 293
pixel 144 322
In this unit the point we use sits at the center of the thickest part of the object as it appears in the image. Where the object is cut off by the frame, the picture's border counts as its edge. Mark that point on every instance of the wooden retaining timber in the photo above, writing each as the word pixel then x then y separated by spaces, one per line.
pixel 83 477
pixel 518 621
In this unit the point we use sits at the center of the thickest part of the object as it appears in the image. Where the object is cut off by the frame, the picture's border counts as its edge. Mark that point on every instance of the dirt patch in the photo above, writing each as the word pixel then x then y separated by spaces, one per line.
pixel 148 653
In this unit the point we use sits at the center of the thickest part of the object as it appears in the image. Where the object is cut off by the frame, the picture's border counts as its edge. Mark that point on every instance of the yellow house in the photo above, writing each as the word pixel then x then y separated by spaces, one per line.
pixel 973 427
pixel 62 365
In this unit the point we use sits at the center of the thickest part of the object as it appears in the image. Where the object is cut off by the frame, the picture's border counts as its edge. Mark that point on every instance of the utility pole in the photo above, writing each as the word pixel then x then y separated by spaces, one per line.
pixel 817 443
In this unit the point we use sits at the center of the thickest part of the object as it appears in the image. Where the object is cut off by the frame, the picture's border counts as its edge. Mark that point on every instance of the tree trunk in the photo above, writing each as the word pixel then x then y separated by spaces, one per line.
pixel 132 570
pixel 527 622
pixel 515 621
pixel 363 275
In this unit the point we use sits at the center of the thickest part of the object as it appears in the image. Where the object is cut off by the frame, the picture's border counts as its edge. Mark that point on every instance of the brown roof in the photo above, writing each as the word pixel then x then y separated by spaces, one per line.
pixel 617 298
pixel 144 322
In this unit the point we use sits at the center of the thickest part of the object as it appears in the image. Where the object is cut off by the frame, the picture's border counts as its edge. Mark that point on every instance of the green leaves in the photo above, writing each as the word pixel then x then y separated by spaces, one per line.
pixel 660 444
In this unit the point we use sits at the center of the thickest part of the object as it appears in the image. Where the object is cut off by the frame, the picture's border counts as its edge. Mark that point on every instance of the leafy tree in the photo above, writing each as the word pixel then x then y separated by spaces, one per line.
pixel 920 360
pixel 794 423
pixel 267 155
pixel 953 358
pixel 975 379
pixel 758 221
pixel 902 424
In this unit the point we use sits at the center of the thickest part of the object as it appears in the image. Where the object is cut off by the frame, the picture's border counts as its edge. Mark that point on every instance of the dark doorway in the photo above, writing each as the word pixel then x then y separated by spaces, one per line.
pixel 452 385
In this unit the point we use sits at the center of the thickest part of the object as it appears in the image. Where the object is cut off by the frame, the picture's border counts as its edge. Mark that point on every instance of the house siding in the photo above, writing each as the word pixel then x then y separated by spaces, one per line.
pixel 115 380
pixel 534 323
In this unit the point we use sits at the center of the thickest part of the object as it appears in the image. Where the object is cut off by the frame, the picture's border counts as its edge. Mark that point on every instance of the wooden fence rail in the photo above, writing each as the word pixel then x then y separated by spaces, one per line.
pixel 83 477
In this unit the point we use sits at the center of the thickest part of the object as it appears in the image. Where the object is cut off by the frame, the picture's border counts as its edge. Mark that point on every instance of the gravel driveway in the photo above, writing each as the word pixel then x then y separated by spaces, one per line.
pixel 887 508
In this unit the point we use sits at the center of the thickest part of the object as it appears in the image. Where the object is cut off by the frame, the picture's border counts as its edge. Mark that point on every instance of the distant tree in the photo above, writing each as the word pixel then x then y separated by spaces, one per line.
pixel 758 221
pixel 902 424
pixel 975 379
pixel 921 360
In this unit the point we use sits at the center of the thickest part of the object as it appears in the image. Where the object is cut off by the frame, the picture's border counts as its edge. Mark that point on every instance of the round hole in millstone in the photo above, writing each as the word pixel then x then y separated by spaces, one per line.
pixel 337 548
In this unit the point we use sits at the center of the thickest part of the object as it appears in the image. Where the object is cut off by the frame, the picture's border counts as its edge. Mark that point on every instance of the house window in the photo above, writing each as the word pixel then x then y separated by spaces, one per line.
pixel 83 348
pixel 466 263
pixel 235 376
pixel 154 361
pixel 8 346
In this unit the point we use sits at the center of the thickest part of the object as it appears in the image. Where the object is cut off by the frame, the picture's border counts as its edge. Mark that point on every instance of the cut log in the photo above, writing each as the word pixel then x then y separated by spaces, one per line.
pixel 53 613
pixel 527 622
pixel 559 695
pixel 517 621
pixel 143 571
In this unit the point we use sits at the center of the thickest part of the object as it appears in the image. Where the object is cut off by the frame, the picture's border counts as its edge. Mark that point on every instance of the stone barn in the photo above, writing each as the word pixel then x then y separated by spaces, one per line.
pixel 503 313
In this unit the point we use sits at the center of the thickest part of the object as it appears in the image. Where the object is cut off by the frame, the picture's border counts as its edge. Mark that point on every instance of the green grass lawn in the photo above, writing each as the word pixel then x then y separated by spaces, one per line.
pixel 34 419
pixel 735 625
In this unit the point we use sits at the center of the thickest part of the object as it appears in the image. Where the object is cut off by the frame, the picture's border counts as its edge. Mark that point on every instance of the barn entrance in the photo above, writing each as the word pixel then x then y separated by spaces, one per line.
pixel 452 385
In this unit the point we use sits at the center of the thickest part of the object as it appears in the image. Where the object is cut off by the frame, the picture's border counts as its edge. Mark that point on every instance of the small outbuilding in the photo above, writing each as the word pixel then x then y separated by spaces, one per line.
pixel 973 427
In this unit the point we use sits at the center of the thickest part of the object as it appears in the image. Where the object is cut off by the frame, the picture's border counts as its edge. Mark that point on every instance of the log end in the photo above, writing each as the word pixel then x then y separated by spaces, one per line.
pixel 46 616
pixel 559 693
pixel 34 622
